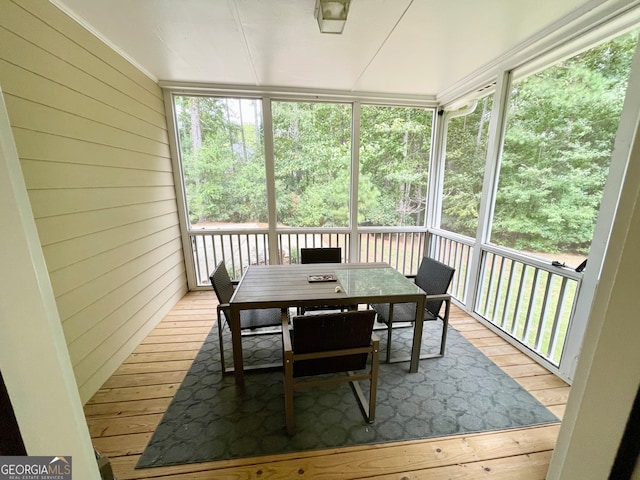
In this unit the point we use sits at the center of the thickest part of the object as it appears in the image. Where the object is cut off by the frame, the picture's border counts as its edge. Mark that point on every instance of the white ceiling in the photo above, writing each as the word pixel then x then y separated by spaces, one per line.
pixel 405 47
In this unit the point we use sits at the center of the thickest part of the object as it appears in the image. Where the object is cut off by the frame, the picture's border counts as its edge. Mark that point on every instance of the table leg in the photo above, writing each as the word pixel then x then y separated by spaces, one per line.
pixel 417 336
pixel 236 341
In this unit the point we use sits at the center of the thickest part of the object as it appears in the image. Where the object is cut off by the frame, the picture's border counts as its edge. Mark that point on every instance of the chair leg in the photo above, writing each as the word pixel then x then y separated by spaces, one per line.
pixel 389 330
pixel 443 340
pixel 288 393
pixel 222 365
pixel 445 326
pixel 373 381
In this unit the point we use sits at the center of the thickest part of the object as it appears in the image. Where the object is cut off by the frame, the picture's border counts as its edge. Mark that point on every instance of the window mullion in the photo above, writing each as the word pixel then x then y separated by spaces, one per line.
pixel 490 184
pixel 269 165
pixel 354 242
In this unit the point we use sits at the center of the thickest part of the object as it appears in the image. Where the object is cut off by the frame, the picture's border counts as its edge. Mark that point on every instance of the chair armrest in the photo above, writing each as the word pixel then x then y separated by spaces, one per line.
pixel 446 298
pixel 442 296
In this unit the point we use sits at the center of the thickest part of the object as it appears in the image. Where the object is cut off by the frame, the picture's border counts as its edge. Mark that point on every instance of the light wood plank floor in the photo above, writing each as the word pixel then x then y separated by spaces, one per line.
pixel 123 414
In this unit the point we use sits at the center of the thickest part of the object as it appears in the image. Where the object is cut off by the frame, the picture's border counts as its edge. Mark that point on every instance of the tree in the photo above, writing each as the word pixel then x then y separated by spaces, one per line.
pixel 464 168
pixel 559 138
pixel 395 146
pixel 560 129
pixel 222 161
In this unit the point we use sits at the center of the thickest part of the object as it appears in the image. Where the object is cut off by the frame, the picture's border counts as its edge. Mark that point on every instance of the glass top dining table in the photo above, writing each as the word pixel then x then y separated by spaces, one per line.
pixel 285 286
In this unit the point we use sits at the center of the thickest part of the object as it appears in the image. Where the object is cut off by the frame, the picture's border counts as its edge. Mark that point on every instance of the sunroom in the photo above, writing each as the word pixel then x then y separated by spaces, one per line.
pixel 514 167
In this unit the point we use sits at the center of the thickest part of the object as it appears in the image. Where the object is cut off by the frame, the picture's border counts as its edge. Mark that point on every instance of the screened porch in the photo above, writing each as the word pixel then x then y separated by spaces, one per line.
pixel 502 184
pixel 500 139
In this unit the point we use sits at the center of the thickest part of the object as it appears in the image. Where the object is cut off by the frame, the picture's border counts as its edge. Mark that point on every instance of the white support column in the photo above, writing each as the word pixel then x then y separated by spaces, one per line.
pixel 490 185
pixel 181 195
pixel 270 166
pixel 354 241
pixel 34 358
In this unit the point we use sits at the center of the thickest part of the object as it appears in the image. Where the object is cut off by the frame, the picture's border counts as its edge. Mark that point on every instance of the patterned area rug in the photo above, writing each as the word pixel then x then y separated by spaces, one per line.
pixel 462 392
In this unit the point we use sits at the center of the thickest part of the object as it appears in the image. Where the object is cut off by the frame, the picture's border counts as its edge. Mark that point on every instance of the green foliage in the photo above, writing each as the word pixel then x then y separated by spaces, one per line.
pixel 561 125
pixel 560 129
pixel 395 146
pixel 312 149
pixel 464 169
pixel 559 138
pixel 222 161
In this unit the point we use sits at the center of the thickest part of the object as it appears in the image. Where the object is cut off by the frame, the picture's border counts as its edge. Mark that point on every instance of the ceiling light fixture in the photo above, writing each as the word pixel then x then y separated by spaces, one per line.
pixel 332 15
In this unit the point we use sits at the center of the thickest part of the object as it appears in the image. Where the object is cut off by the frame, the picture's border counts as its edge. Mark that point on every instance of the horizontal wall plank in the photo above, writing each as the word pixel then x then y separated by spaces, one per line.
pixel 65 227
pixel 51 35
pixel 122 323
pixel 55 202
pixel 40 62
pixel 91 134
pixel 34 87
pixel 95 369
pixel 34 116
pixel 45 146
pixel 100 315
pixel 48 175
pixel 79 33
pixel 69 252
pixel 127 262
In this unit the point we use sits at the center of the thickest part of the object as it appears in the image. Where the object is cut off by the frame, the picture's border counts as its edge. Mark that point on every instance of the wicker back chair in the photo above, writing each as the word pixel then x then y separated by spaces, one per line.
pixel 434 278
pixel 333 343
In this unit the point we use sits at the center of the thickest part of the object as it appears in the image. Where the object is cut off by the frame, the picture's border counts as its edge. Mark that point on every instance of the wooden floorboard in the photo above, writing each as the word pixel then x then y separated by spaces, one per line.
pixel 124 413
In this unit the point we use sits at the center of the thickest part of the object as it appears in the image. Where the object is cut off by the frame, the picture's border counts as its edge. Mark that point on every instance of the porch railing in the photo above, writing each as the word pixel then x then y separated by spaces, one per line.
pixel 402 249
pixel 528 299
pixel 237 249
pixel 457 252
pixel 290 243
